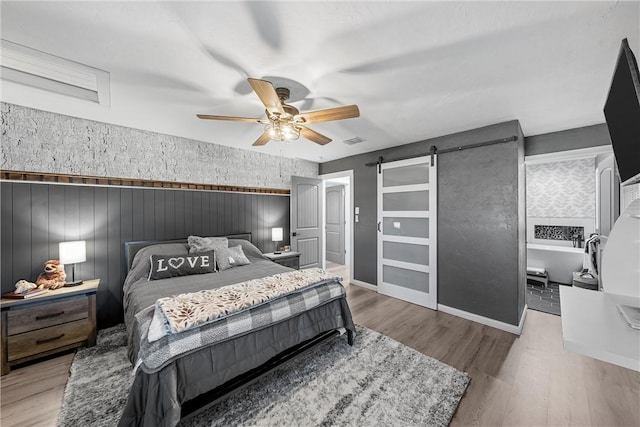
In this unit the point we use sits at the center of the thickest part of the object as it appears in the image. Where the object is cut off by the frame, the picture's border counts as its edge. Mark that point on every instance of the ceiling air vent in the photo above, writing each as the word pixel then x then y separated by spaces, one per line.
pixel 34 68
pixel 353 141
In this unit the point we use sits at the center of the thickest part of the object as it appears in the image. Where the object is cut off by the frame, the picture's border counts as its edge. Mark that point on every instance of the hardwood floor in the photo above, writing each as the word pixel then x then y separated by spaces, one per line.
pixel 32 395
pixel 341 270
pixel 516 381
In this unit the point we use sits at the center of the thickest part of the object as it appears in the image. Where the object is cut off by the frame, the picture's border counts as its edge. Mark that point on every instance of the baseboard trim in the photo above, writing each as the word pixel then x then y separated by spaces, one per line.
pixel 522 319
pixel 517 330
pixel 364 285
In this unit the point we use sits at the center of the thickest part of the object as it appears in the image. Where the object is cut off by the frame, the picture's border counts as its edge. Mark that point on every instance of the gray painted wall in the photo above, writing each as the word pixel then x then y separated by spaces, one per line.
pixel 522 226
pixel 481 220
pixel 570 139
pixel 40 141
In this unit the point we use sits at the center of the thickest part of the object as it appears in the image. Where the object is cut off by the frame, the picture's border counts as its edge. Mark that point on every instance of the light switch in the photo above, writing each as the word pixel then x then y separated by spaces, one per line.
pixel 357 218
pixel 357 210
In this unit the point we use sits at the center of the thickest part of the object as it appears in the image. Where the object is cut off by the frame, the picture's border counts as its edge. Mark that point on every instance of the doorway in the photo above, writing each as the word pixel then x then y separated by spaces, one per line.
pixel 338 223
pixel 571 197
pixel 335 222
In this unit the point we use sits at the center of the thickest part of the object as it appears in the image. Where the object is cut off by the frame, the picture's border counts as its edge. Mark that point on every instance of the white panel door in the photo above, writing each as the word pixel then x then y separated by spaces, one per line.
pixel 407 250
pixel 306 220
pixel 334 232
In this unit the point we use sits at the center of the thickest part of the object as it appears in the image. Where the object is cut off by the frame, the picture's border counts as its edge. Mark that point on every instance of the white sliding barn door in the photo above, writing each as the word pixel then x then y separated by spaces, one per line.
pixel 407 206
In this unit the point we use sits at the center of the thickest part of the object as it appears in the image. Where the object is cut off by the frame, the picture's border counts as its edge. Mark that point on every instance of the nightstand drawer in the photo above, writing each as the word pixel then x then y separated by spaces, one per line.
pixel 44 315
pixel 288 259
pixel 30 343
pixel 290 262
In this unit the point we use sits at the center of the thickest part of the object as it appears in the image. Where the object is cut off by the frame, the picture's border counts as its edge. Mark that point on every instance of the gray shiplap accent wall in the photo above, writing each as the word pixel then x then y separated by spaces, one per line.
pixel 35 217
pixel 40 141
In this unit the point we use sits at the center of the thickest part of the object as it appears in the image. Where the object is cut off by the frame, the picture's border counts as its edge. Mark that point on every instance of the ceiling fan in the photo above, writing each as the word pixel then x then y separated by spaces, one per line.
pixel 284 122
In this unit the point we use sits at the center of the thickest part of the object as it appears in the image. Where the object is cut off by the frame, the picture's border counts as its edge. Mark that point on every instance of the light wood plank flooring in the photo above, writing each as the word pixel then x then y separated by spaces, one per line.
pixel 31 396
pixel 527 380
pixel 515 381
pixel 341 270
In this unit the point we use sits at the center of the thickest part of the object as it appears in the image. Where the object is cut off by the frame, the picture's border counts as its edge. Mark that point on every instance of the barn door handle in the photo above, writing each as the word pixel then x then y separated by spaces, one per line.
pixel 379 223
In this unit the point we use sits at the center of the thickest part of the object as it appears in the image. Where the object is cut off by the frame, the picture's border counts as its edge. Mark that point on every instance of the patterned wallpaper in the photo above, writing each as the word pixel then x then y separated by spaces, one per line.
pixel 40 141
pixel 565 189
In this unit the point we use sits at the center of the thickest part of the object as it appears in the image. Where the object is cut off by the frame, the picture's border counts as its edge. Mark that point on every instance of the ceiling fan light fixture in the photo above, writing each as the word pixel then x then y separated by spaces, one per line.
pixel 271 131
pixel 278 131
pixel 284 122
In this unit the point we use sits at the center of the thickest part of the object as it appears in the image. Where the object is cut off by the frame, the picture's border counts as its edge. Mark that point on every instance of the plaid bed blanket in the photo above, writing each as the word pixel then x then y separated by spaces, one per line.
pixel 153 356
pixel 182 312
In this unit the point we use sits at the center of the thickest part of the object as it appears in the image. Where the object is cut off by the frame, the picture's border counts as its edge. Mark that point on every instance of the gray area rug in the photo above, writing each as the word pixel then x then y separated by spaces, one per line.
pixel 377 382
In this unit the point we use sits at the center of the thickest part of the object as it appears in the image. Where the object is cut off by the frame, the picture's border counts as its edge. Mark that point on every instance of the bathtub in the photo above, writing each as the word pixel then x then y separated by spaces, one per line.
pixel 559 261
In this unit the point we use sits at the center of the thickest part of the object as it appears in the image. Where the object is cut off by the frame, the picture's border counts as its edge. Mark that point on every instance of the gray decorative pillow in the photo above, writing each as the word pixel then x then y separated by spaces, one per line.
pixel 231 257
pixel 165 266
pixel 204 244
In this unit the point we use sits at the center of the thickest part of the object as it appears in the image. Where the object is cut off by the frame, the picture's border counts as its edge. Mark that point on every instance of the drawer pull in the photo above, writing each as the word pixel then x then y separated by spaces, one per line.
pixel 49 316
pixel 46 340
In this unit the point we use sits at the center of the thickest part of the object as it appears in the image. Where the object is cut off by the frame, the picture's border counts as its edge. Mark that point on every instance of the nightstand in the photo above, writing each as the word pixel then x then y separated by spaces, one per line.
pixel 288 259
pixel 46 324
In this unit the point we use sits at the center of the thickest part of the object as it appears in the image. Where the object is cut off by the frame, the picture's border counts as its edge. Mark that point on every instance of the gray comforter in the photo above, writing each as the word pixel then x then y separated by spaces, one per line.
pixel 155 398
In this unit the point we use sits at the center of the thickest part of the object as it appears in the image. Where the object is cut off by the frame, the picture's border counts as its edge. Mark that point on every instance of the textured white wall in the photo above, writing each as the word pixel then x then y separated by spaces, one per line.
pixel 40 141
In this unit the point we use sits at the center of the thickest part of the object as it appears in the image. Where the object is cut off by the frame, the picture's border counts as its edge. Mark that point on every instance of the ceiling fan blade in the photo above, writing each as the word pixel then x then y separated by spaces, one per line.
pixel 338 113
pixel 231 118
pixel 264 138
pixel 314 136
pixel 267 95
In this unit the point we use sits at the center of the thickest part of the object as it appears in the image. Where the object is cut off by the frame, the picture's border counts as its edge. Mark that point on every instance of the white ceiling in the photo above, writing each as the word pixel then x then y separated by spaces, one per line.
pixel 416 69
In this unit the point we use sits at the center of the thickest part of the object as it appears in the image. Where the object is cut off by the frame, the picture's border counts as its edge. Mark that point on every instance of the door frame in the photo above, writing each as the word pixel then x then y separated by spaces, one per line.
pixel 350 215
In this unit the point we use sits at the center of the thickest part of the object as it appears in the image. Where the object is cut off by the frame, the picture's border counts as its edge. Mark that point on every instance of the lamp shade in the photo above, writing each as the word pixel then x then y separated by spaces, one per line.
pixel 276 234
pixel 73 252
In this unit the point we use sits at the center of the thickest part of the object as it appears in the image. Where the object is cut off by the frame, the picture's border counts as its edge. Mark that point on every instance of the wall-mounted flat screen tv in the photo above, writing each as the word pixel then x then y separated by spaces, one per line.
pixel 622 112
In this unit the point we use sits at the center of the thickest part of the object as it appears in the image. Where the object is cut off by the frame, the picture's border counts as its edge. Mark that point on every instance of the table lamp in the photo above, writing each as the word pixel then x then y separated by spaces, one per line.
pixel 276 236
pixel 73 253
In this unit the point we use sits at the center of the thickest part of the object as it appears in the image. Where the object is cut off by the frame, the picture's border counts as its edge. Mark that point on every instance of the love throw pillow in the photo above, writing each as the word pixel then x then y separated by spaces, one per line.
pixel 165 266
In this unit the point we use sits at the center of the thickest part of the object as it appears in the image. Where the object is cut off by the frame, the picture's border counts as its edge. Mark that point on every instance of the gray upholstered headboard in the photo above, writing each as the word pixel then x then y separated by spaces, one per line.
pixel 132 248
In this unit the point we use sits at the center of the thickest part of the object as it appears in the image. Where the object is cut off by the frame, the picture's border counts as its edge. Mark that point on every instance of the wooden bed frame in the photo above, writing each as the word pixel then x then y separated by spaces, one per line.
pixel 212 397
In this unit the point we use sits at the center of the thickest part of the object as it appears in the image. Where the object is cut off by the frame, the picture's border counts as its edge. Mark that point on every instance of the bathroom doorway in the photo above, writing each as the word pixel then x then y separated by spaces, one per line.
pixel 338 224
pixel 570 197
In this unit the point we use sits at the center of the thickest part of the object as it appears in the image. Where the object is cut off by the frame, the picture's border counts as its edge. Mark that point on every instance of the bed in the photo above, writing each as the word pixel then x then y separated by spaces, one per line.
pixel 169 387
